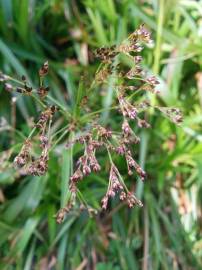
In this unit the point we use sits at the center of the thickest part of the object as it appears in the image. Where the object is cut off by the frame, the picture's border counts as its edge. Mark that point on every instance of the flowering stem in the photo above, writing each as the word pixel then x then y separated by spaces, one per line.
pixel 60 130
pixel 14 80
pixel 59 139
pixel 94 81
pixel 31 133
pixel 81 198
pixel 38 100
pixel 159 37
pixel 134 94
pixel 98 111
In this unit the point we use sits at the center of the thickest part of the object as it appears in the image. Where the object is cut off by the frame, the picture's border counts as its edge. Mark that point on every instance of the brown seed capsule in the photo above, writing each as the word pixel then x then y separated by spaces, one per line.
pixel 105 202
pixel 20 90
pixel 43 91
pixel 28 88
pixel 23 78
pixel 60 215
pixel 44 69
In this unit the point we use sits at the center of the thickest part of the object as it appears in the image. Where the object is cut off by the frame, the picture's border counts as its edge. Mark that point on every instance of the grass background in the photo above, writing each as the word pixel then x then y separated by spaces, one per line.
pixel 166 233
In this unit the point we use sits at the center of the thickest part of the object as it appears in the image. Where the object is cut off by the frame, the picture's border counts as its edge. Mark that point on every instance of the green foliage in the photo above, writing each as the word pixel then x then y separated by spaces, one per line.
pixel 166 232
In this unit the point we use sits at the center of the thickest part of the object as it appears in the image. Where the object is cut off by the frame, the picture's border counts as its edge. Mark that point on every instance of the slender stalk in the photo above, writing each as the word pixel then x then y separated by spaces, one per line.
pixel 145 265
pixel 60 130
pixel 39 101
pixel 93 82
pixel 31 133
pixel 98 111
pixel 14 80
pixel 59 139
pixel 13 117
pixel 157 53
pixel 81 198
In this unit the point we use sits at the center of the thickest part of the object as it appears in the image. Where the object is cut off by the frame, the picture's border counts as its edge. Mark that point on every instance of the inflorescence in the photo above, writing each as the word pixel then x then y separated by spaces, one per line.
pixel 129 81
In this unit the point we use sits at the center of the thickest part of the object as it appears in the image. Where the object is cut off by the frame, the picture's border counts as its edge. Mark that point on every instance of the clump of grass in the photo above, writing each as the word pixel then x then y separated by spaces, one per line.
pixel 166 232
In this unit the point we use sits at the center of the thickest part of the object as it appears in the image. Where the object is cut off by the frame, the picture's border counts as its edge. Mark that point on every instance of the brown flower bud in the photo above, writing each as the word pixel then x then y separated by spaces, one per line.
pixel 44 69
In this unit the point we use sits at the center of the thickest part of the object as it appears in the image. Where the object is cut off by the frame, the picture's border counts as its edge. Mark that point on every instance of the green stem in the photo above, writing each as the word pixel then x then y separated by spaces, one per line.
pixel 81 198
pixel 59 139
pixel 31 133
pixel 98 111
pixel 14 80
pixel 39 101
pixel 93 82
pixel 60 130
pixel 157 53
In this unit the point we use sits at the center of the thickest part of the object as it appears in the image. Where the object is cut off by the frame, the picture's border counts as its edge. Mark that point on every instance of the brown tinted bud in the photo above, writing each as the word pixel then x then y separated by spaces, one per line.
pixel 76 176
pixel 20 90
pixel 152 80
pixel 53 109
pixel 142 123
pixel 126 128
pixel 122 196
pixel 96 167
pixel 121 150
pixel 138 59
pixel 43 91
pixel 86 170
pixel 60 216
pixel 106 53
pixel 44 69
pixel 105 202
pixel 111 193
pixel 43 140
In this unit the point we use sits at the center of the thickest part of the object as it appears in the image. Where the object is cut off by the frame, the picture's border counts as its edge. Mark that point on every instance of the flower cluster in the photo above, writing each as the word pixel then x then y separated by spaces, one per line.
pixel 126 108
pixel 25 155
pixel 114 186
pixel 25 159
pixel 117 186
pixel 174 114
pixel 70 203
pixel 130 81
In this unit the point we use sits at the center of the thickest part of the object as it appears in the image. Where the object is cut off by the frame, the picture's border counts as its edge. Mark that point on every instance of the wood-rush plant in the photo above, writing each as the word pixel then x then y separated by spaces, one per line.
pixel 92 134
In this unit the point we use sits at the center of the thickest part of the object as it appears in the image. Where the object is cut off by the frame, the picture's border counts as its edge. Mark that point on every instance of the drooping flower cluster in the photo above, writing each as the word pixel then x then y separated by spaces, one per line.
pixel 174 114
pixel 25 159
pixel 70 203
pixel 24 156
pixel 134 80
pixel 117 186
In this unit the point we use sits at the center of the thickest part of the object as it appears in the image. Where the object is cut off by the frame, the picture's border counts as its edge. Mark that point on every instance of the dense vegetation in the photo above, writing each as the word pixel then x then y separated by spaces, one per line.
pixel 166 232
